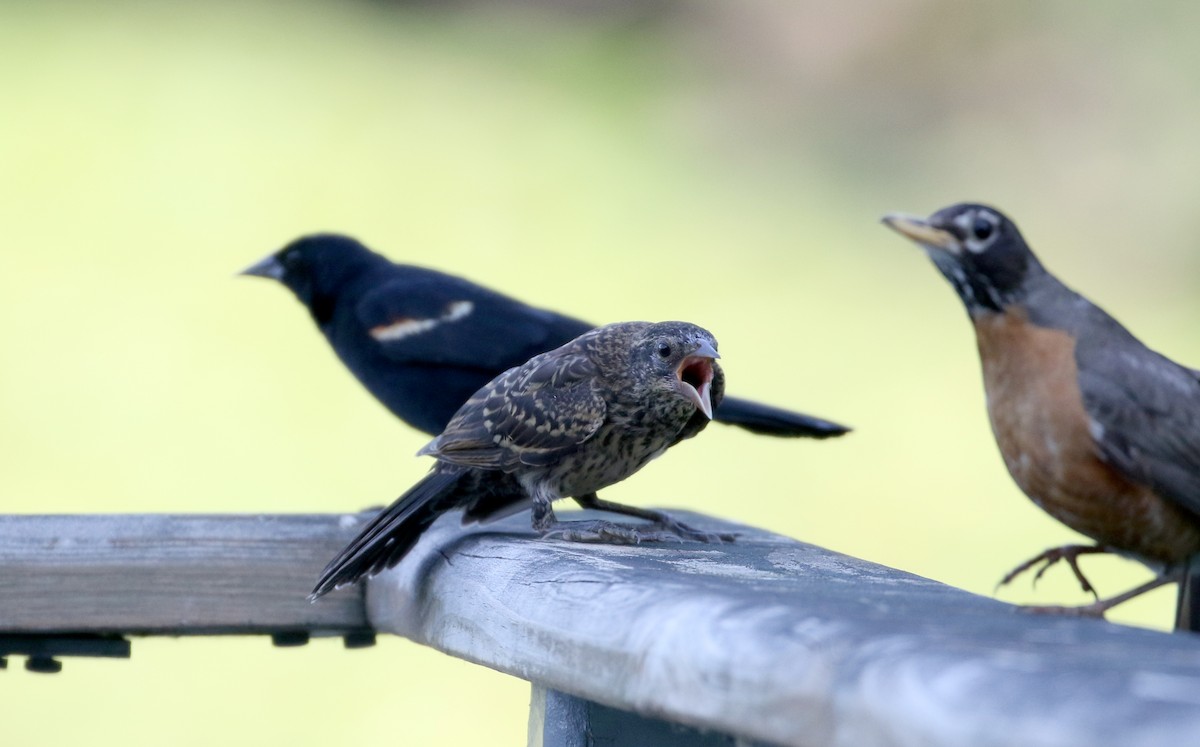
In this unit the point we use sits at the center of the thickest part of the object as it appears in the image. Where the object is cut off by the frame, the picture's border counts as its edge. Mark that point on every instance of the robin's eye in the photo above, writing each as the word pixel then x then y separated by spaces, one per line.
pixel 982 228
pixel 664 350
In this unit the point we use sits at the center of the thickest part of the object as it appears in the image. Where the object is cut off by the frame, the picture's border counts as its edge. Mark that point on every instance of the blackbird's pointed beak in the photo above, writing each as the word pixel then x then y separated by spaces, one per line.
pixel 920 231
pixel 268 267
pixel 695 373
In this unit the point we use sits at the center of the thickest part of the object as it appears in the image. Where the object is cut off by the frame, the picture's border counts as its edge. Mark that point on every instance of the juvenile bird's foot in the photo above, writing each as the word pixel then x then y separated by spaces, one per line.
pixel 614 533
pixel 1067 553
pixel 662 528
pixel 687 531
pixel 660 519
pixel 607 532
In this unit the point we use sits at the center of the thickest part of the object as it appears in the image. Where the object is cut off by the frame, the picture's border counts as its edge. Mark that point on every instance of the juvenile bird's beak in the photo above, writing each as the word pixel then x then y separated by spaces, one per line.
pixel 268 267
pixel 920 231
pixel 695 375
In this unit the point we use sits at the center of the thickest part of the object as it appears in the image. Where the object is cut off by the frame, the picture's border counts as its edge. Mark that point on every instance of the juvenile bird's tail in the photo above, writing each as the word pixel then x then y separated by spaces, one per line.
pixel 774 421
pixel 392 533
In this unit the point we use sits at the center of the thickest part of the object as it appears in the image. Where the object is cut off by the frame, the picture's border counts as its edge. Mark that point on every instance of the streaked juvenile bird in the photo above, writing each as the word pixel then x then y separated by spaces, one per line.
pixel 568 422
pixel 1097 429
pixel 423 342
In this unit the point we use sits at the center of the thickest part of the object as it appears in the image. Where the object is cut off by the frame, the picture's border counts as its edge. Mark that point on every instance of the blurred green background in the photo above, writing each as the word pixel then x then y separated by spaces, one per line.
pixel 721 163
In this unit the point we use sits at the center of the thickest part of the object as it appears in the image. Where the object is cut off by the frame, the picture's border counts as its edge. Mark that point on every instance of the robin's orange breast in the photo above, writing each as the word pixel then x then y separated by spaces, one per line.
pixel 1037 415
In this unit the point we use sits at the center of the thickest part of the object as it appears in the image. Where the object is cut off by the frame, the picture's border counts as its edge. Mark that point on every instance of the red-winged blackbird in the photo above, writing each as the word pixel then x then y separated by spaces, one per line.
pixel 423 342
pixel 1100 431
pixel 565 423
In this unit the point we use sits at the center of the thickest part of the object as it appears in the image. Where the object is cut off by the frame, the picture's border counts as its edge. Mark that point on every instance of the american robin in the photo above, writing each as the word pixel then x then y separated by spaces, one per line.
pixel 566 423
pixel 1097 429
pixel 423 341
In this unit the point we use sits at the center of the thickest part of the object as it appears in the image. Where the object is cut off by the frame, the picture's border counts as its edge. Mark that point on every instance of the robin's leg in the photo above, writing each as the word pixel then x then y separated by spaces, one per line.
pixel 1098 608
pixel 1068 553
pixel 609 532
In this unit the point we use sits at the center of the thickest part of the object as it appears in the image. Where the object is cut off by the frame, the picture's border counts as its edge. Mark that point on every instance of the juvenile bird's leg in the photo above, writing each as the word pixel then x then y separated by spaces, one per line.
pixel 1099 607
pixel 662 519
pixel 608 532
pixel 1068 553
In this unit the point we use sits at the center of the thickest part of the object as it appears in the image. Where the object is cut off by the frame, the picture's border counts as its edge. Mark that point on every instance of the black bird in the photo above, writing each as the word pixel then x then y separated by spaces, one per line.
pixel 1100 431
pixel 423 342
pixel 568 422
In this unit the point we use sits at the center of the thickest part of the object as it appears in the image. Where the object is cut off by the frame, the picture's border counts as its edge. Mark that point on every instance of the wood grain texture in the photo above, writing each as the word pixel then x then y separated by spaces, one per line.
pixel 775 640
pixel 182 574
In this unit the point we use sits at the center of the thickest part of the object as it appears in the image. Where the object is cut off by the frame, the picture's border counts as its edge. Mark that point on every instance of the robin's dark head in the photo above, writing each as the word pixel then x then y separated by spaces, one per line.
pixel 316 268
pixel 678 359
pixel 978 249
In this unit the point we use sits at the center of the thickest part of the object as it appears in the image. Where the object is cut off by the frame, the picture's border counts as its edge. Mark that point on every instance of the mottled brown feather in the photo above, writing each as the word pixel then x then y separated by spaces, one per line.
pixel 537 413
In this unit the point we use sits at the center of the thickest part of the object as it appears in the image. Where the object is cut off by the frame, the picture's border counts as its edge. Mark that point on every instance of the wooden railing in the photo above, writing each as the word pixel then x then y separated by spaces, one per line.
pixel 763 641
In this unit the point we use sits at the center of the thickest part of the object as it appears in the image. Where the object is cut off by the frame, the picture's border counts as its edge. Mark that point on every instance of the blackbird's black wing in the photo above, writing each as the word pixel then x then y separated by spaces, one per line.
pixel 530 415
pixel 424 317
pixel 767 420
pixel 1145 410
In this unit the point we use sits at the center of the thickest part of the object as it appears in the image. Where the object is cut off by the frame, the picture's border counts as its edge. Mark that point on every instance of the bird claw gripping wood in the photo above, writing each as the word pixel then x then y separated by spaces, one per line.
pixel 1068 553
pixel 686 531
pixel 610 532
pixel 1100 606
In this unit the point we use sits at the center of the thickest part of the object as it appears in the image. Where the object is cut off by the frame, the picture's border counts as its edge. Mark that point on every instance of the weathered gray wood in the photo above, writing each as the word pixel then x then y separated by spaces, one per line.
pixel 767 639
pixel 172 574
pixel 779 641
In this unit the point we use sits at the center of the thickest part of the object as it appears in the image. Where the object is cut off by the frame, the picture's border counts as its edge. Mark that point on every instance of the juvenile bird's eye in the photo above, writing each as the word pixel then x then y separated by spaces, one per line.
pixel 982 228
pixel 664 350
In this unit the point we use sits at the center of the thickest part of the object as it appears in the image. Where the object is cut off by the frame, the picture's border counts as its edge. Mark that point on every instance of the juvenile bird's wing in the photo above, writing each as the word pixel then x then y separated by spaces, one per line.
pixel 1147 409
pixel 392 533
pixel 425 317
pixel 529 415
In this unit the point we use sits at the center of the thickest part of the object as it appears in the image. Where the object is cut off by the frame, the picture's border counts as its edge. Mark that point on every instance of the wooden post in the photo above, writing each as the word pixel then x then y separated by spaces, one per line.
pixel 560 720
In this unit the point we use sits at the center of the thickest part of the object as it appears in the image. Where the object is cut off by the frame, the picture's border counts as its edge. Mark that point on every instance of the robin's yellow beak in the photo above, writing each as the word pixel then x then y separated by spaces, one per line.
pixel 919 230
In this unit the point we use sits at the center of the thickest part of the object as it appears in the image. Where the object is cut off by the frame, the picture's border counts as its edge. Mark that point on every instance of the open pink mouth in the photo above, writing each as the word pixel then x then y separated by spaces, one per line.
pixel 695 382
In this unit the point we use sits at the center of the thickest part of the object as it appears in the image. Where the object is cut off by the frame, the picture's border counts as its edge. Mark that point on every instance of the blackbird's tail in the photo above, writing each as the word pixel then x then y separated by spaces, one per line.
pixel 774 421
pixel 392 533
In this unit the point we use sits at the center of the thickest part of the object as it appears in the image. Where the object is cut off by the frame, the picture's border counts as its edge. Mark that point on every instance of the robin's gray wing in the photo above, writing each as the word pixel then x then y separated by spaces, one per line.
pixel 1145 412
pixel 530 415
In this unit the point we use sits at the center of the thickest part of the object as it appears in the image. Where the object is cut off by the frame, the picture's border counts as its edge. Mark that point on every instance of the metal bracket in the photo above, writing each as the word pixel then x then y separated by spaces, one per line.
pixel 43 650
